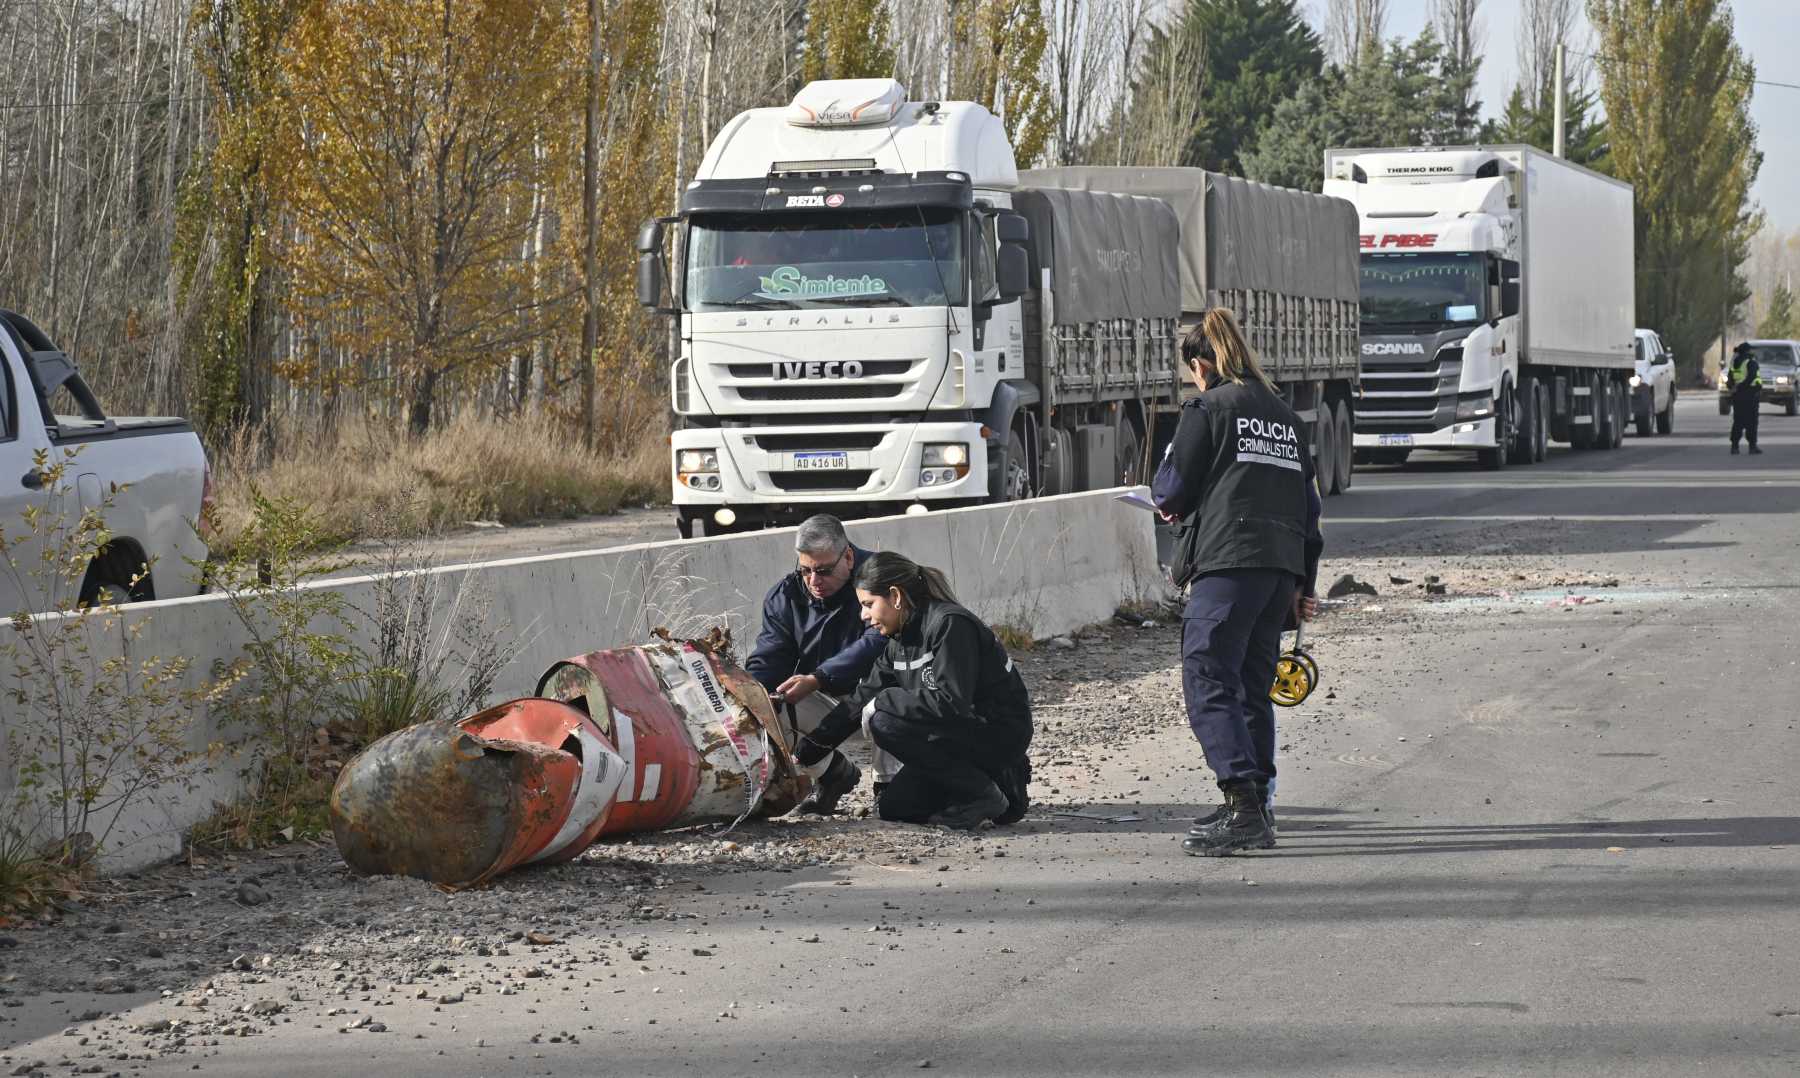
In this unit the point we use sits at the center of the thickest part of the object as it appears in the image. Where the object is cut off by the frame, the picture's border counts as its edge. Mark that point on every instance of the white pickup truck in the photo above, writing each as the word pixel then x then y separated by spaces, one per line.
pixel 157 466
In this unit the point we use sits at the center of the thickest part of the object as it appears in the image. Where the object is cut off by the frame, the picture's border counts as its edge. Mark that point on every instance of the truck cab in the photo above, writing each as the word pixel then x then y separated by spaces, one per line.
pixel 845 278
pixel 1440 264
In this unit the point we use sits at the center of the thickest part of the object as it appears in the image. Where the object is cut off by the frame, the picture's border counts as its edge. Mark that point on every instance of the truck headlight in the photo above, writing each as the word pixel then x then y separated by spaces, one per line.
pixel 699 468
pixel 1474 409
pixel 1636 381
pixel 947 455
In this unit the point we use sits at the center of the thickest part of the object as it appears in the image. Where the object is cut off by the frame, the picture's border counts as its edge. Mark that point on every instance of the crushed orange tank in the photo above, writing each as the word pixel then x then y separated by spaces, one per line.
pixel 630 739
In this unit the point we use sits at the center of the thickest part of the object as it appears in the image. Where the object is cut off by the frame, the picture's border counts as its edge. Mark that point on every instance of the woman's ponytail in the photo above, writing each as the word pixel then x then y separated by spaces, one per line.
pixel 1231 357
pixel 919 583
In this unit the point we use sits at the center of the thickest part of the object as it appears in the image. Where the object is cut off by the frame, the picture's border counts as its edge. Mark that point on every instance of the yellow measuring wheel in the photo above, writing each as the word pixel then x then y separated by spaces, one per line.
pixel 1296 675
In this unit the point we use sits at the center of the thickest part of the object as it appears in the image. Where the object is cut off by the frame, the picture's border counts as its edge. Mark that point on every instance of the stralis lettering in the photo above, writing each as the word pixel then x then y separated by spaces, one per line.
pixel 1262 441
pixel 832 368
pixel 1393 348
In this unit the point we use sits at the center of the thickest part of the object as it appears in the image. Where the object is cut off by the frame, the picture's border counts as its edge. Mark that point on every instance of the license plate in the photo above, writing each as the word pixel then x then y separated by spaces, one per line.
pixel 821 462
pixel 1396 439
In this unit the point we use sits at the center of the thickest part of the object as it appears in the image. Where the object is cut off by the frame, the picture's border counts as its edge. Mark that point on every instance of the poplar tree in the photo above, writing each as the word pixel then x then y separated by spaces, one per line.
pixel 1778 322
pixel 1677 88
pixel 847 39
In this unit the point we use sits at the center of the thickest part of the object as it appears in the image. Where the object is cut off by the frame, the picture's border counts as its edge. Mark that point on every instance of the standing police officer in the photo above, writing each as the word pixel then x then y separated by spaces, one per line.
pixel 1745 382
pixel 1238 480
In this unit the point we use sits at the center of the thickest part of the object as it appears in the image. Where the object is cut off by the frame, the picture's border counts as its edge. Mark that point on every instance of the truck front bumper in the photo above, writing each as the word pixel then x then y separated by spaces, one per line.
pixel 769 474
pixel 1473 434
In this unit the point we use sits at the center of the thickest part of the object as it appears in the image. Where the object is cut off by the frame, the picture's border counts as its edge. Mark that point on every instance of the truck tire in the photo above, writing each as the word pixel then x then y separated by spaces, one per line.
pixel 1346 447
pixel 1015 471
pixel 1525 428
pixel 1128 452
pixel 1496 458
pixel 1325 436
pixel 1665 419
pixel 1540 442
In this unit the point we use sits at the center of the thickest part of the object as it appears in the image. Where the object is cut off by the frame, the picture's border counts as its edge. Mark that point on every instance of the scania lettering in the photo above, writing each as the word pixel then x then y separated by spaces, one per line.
pixel 1497 301
pixel 877 312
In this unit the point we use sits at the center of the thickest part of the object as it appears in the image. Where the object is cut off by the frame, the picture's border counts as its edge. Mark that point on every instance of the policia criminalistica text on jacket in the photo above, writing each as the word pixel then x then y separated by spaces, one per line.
pixel 1237 480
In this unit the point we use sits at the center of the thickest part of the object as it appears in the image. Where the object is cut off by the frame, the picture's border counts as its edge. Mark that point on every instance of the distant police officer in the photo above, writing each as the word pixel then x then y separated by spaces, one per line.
pixel 1745 382
pixel 1238 482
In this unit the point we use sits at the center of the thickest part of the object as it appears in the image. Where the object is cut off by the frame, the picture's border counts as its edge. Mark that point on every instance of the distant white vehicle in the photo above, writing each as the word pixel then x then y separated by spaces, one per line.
pixel 1653 385
pixel 157 464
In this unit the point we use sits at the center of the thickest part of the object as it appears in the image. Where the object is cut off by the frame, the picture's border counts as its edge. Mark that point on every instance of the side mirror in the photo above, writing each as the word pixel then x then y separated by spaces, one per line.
pixel 650 236
pixel 1662 358
pixel 1013 272
pixel 1509 269
pixel 1012 228
pixel 1509 298
pixel 650 279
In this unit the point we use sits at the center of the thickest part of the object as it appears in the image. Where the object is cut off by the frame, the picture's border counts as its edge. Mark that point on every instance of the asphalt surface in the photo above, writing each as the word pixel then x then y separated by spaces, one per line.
pixel 1550 832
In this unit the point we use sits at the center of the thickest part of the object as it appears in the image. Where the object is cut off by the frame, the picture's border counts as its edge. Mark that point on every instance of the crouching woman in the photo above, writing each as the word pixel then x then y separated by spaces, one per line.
pixel 943 699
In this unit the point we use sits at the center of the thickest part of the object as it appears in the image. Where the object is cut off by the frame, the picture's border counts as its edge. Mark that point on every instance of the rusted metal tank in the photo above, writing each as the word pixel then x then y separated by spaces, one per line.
pixel 631 739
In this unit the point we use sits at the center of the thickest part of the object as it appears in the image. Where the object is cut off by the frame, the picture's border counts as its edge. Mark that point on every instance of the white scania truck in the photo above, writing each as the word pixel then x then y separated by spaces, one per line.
pixel 876 314
pixel 1497 301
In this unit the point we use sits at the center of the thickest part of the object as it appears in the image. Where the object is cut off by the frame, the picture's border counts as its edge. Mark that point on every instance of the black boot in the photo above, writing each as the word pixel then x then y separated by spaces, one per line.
pixel 972 814
pixel 1734 449
pixel 1219 813
pixel 1242 827
pixel 1755 452
pixel 1013 782
pixel 839 779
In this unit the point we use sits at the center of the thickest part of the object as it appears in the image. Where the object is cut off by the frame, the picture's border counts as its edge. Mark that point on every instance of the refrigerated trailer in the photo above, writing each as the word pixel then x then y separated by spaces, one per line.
pixel 1497 301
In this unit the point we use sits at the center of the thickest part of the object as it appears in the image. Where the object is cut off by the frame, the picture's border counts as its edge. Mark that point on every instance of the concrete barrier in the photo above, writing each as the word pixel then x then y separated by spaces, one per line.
pixel 1045 567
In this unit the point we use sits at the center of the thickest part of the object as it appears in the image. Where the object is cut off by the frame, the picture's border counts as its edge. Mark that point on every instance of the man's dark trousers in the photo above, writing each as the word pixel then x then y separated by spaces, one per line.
pixel 1230 642
pixel 1743 418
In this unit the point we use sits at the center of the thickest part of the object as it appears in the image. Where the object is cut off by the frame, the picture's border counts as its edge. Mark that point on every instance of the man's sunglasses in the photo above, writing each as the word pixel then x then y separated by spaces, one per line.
pixel 805 571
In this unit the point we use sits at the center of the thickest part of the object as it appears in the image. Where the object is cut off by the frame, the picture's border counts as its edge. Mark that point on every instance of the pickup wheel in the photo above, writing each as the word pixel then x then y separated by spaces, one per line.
pixel 109 578
pixel 1641 420
pixel 1665 419
pixel 1793 404
pixel 1724 406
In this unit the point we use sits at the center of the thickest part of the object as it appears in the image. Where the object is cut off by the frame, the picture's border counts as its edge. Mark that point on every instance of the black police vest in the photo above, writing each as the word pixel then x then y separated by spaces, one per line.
pixel 1253 515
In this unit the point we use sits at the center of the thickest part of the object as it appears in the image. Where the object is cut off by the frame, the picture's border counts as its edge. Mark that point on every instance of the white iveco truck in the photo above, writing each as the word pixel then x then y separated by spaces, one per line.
pixel 1497 301
pixel 877 315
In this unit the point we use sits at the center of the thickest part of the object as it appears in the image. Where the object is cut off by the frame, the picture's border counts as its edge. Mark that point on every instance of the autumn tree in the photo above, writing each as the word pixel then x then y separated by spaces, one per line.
pixel 847 39
pixel 999 63
pixel 1779 322
pixel 1677 88
pixel 410 180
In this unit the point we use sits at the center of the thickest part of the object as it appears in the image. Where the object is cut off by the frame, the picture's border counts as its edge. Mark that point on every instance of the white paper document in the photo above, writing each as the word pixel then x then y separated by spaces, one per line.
pixel 1132 497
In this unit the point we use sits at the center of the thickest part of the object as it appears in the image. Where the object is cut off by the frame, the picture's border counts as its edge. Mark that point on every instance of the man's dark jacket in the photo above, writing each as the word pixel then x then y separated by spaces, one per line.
pixel 822 637
pixel 1239 475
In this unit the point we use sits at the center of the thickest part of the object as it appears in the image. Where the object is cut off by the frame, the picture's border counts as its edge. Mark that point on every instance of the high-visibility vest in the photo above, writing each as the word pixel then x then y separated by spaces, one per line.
pixel 1740 372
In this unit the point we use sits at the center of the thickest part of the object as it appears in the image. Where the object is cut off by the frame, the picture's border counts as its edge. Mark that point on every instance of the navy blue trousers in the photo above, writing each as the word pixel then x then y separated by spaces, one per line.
pixel 1230 641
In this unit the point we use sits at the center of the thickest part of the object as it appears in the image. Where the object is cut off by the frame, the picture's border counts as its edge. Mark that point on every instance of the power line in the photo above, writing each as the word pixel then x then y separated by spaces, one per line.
pixel 1643 67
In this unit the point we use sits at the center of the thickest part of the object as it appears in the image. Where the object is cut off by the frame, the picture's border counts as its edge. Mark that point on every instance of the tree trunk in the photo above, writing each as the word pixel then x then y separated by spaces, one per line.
pixel 590 240
pixel 418 410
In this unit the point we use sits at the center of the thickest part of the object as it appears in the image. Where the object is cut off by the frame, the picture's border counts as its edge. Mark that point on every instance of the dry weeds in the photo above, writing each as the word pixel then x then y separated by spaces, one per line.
pixel 359 480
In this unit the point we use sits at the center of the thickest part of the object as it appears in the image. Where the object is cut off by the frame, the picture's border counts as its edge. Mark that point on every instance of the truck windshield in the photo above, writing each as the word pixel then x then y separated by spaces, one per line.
pixel 901 257
pixel 1427 289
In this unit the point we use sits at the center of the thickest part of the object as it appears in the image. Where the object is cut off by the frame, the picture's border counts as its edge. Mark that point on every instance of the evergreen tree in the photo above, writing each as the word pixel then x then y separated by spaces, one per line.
pixel 1584 135
pixel 1779 322
pixel 1256 54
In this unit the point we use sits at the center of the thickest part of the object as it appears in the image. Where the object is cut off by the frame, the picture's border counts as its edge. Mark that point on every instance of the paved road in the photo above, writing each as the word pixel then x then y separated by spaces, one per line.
pixel 1521 838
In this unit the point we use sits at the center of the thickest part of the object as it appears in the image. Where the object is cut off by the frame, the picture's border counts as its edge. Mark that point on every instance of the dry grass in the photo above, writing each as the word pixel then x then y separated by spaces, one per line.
pixel 360 481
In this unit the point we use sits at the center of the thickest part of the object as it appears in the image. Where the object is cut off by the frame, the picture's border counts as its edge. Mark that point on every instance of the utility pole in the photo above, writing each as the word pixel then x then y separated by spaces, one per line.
pixel 1558 144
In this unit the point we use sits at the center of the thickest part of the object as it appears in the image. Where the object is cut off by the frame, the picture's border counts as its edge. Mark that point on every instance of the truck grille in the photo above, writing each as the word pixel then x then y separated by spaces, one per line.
pixel 835 391
pixel 809 482
pixel 1409 395
pixel 870 368
pixel 846 439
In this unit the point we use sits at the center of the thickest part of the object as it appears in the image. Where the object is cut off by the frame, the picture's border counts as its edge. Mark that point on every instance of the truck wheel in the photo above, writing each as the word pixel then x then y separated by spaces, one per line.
pixel 1128 451
pixel 1496 458
pixel 1325 436
pixel 1665 419
pixel 1015 471
pixel 1540 441
pixel 1525 428
pixel 1346 447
